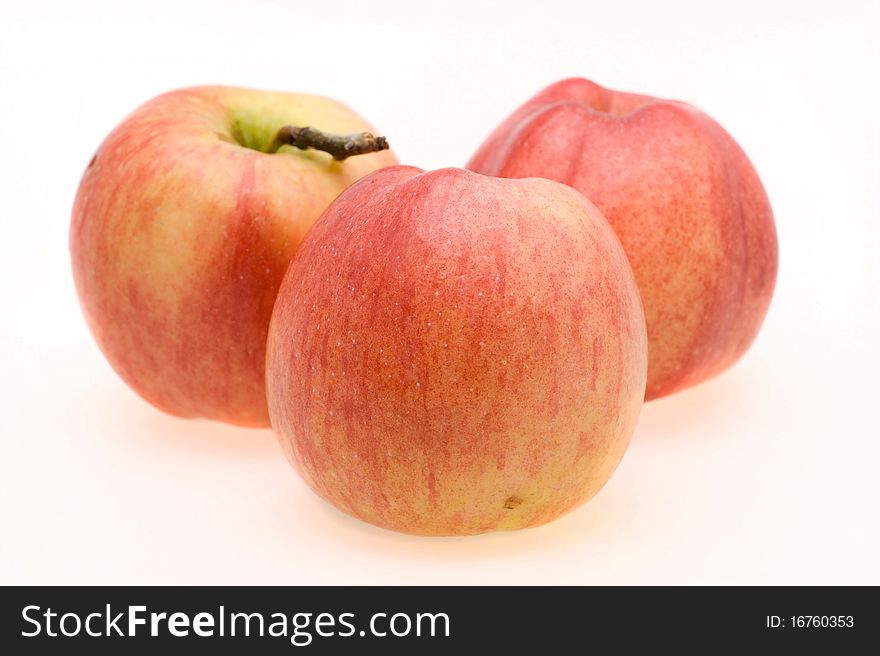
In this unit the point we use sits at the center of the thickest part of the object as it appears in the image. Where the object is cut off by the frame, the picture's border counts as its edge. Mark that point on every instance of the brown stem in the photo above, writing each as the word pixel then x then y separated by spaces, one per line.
pixel 340 146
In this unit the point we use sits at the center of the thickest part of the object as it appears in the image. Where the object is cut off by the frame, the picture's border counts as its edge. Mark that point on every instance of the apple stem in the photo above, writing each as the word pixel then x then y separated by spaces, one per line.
pixel 340 146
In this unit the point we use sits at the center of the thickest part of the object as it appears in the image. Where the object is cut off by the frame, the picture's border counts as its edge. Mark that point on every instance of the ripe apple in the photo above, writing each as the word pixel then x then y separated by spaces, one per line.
pixel 452 353
pixel 183 226
pixel 682 197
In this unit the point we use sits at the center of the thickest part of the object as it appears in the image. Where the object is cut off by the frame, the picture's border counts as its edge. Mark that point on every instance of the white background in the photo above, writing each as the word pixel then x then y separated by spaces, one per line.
pixel 768 474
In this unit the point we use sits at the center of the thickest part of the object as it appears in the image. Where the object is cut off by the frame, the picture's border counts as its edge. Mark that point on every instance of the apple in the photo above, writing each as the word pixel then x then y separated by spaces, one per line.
pixel 682 197
pixel 183 226
pixel 452 353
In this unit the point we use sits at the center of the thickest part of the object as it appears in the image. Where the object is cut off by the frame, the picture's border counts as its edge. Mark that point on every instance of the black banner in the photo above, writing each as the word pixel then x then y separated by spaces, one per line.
pixel 410 620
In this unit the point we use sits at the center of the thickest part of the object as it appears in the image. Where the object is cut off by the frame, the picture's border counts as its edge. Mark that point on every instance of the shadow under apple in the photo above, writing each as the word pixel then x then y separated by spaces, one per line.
pixel 107 409
pixel 694 413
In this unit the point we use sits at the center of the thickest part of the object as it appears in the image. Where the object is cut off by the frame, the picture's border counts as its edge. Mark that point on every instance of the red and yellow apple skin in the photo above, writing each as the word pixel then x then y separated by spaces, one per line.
pixel 453 354
pixel 682 197
pixel 181 235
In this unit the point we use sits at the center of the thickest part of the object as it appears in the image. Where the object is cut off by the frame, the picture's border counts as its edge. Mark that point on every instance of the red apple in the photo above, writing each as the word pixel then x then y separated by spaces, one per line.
pixel 183 227
pixel 452 353
pixel 682 197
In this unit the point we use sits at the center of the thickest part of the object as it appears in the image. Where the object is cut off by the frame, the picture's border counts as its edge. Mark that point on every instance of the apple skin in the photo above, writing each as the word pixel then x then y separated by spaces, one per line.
pixel 180 237
pixel 682 197
pixel 453 354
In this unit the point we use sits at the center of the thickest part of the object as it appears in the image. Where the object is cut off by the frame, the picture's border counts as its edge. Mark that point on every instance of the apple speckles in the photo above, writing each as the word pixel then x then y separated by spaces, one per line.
pixel 586 444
